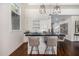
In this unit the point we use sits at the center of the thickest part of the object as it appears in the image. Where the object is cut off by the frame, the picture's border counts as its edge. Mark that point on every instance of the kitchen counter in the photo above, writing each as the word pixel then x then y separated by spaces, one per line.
pixel 76 34
pixel 40 34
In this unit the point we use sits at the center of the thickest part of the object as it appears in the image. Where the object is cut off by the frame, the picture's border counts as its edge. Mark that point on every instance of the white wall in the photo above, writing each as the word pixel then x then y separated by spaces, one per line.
pixel 69 11
pixel 9 40
pixel 24 18
pixel 71 27
pixel 75 18
pixel 1 33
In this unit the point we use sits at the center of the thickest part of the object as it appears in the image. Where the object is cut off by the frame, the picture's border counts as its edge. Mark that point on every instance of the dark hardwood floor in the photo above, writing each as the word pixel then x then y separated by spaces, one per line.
pixel 21 51
pixel 66 48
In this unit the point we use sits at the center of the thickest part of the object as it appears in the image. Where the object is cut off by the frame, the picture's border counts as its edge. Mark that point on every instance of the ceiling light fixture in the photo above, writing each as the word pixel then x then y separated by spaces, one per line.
pixel 42 9
pixel 56 9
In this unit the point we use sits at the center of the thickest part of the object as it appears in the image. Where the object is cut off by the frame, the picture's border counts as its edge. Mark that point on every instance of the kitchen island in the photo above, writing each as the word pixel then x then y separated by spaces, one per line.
pixel 42 45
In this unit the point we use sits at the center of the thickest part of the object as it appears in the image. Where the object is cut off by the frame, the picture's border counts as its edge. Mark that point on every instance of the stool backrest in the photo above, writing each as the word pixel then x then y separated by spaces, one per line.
pixel 52 41
pixel 33 41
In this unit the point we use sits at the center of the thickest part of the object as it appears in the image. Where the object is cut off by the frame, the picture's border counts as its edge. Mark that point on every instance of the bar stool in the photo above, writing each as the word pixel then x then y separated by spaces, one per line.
pixel 34 42
pixel 51 42
pixel 61 42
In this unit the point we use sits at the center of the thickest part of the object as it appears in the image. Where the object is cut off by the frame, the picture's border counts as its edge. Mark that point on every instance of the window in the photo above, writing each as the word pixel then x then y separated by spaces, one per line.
pixel 15 21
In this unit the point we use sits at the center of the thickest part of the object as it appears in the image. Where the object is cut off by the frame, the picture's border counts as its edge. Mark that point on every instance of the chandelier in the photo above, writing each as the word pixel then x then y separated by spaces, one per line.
pixel 42 9
pixel 56 9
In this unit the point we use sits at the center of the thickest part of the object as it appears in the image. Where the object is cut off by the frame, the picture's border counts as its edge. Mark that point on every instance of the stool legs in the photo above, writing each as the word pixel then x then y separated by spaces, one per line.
pixel 31 50
pixel 46 49
pixel 51 50
pixel 36 48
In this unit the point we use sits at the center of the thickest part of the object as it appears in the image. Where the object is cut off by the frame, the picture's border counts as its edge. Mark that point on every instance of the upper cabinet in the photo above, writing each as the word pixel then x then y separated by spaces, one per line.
pixel 15 8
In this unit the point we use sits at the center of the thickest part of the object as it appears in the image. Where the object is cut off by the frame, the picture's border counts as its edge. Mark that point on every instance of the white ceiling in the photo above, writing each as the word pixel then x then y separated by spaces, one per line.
pixel 51 5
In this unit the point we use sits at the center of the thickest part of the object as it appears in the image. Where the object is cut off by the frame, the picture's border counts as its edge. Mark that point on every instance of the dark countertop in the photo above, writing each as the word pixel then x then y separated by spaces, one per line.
pixel 76 34
pixel 44 35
